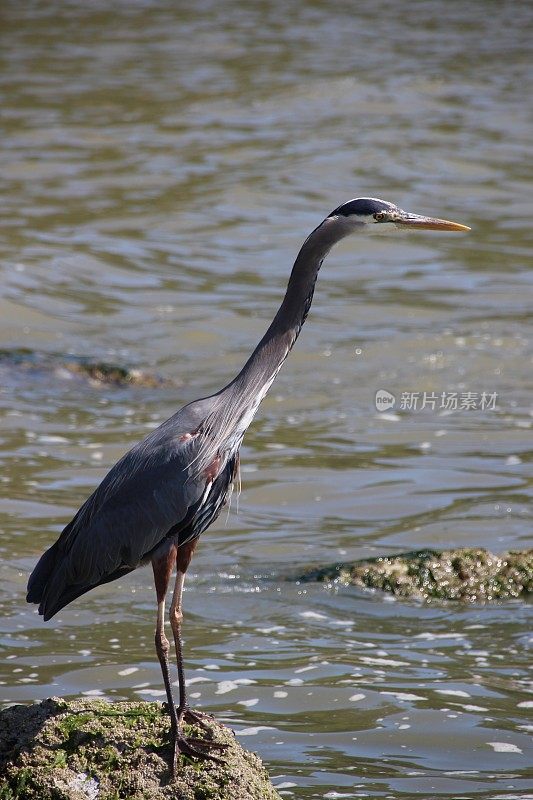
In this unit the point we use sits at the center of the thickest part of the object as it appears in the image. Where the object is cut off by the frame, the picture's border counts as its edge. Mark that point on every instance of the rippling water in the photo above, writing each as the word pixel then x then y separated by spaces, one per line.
pixel 160 167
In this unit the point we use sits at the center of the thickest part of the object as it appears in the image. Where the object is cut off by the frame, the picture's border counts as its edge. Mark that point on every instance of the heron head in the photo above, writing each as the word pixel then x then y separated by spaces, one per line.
pixel 372 214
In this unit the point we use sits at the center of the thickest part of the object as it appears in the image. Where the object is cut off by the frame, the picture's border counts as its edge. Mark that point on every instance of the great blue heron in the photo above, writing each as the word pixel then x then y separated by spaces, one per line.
pixel 157 500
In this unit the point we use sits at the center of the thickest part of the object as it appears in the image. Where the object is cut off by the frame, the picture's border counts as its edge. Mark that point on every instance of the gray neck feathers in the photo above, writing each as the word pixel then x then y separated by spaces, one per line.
pixel 236 404
pixel 277 342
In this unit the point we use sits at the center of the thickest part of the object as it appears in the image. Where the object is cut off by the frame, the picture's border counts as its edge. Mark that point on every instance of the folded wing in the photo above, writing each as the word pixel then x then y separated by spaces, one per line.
pixel 149 493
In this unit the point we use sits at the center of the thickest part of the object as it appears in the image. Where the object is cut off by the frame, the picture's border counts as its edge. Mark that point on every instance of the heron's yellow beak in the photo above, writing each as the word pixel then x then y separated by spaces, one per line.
pixel 428 223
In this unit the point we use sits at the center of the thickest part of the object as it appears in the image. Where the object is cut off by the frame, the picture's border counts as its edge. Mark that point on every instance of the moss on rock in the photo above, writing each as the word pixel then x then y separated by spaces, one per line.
pixel 95 750
pixel 470 575
pixel 96 373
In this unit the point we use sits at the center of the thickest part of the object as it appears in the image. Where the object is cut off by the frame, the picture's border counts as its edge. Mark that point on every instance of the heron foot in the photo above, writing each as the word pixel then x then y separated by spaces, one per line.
pixel 186 714
pixel 196 718
pixel 194 748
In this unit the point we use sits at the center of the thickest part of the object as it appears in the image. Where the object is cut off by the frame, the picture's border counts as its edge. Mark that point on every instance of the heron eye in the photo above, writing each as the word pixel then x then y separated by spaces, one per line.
pixel 380 216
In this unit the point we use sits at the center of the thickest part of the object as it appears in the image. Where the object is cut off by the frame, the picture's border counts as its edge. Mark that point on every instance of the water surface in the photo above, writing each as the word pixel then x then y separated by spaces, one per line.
pixel 161 166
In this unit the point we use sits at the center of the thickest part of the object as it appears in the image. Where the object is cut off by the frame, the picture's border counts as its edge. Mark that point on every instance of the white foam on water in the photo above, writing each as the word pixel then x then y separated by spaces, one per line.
pixel 228 686
pixel 190 681
pixel 254 731
pixel 388 662
pixel 504 747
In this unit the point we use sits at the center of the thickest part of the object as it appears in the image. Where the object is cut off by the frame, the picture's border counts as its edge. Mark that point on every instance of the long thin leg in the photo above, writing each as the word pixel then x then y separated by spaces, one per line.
pixel 162 646
pixel 176 618
pixel 162 569
pixel 190 746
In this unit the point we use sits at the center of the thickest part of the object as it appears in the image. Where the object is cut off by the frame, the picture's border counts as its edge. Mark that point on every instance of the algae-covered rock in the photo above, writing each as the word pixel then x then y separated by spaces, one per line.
pixel 70 367
pixel 470 575
pixel 95 750
pixel 100 372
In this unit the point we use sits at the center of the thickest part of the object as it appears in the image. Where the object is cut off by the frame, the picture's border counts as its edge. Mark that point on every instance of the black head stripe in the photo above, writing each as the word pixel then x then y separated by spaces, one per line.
pixel 363 206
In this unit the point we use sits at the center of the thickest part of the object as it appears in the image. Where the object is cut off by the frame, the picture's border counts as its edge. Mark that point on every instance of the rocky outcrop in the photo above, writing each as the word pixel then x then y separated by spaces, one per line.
pixel 469 575
pixel 95 750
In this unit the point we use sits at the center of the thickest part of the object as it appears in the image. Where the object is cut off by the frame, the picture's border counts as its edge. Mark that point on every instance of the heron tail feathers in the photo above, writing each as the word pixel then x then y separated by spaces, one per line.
pixel 50 583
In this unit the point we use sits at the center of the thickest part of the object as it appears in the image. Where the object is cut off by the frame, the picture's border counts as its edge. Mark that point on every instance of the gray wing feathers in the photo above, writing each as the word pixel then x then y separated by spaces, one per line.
pixel 148 492
pixel 132 521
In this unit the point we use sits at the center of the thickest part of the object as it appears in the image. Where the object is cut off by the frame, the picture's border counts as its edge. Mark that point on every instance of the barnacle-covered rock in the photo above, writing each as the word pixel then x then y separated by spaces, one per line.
pixel 466 574
pixel 22 361
pixel 95 750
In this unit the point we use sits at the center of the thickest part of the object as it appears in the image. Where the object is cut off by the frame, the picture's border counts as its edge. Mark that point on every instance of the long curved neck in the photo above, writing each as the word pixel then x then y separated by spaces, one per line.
pixel 234 407
pixel 264 363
